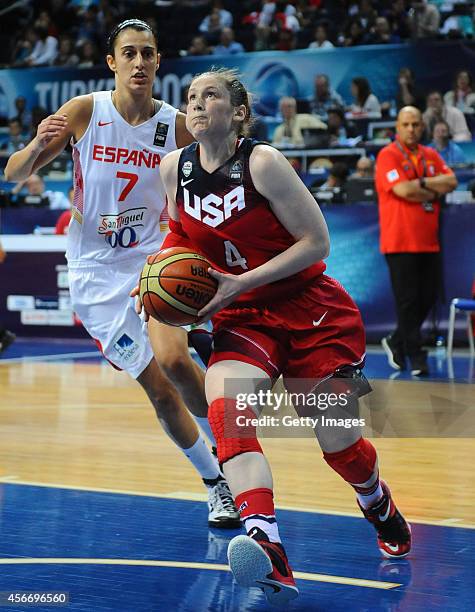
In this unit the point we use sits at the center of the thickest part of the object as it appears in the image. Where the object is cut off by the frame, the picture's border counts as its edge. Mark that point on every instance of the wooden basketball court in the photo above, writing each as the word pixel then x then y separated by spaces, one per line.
pixel 80 428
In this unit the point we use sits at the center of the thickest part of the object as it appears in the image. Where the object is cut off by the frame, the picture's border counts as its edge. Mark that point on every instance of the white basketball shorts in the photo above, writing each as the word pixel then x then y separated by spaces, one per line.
pixel 100 298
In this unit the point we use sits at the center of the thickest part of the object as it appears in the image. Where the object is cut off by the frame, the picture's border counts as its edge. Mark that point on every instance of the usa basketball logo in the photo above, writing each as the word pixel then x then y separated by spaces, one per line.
pixel 187 168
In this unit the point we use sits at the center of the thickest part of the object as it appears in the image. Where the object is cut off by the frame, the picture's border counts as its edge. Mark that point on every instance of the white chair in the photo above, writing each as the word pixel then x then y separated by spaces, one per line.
pixel 462 305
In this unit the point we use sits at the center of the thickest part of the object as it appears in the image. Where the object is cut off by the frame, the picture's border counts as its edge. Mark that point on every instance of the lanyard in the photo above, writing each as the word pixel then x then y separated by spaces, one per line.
pixel 407 158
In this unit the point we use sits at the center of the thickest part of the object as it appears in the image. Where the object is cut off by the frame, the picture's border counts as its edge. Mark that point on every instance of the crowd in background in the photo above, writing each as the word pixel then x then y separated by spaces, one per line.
pixel 74 32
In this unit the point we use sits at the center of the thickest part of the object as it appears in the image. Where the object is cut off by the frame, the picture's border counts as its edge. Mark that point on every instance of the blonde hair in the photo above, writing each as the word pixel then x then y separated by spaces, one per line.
pixel 237 92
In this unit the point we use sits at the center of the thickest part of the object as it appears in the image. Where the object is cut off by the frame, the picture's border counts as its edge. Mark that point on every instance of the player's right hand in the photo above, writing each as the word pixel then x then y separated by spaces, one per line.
pixel 51 127
pixel 135 293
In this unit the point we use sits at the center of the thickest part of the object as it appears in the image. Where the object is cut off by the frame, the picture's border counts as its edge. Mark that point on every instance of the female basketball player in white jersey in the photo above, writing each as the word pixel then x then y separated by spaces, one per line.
pixel 119 138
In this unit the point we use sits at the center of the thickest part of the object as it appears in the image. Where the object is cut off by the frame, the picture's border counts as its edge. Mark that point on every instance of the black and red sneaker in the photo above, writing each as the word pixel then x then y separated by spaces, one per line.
pixel 394 532
pixel 255 561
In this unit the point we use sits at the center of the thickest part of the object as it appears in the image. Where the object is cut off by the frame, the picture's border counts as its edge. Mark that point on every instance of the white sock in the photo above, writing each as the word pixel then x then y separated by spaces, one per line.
pixel 369 500
pixel 202 459
pixel 270 529
pixel 206 428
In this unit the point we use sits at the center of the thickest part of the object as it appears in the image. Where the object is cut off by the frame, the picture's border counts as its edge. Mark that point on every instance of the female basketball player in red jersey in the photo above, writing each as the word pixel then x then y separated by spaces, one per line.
pixel 119 138
pixel 241 204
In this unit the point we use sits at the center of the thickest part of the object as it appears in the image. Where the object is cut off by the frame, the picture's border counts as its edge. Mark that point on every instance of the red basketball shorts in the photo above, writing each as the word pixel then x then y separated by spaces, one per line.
pixel 308 335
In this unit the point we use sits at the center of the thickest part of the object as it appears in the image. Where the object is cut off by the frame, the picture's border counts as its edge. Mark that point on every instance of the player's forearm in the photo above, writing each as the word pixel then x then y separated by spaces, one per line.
pixel 296 258
pixel 413 192
pixel 441 184
pixel 20 165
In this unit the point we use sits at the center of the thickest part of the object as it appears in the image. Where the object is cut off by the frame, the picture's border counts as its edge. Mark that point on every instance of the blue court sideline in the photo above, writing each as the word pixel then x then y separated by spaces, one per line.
pixel 130 553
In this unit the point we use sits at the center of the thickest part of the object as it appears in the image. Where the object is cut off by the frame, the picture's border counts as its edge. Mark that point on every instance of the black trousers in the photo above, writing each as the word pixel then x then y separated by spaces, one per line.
pixel 415 280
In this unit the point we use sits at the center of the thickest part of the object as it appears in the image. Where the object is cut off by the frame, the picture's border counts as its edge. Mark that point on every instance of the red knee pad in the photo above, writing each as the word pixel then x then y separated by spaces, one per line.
pixel 356 463
pixel 232 430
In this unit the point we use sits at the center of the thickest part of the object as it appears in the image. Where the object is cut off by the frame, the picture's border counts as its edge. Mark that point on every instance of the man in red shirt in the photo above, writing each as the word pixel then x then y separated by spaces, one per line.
pixel 410 180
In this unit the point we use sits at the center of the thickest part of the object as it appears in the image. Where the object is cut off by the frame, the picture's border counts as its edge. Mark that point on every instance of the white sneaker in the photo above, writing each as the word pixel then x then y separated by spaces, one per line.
pixel 222 511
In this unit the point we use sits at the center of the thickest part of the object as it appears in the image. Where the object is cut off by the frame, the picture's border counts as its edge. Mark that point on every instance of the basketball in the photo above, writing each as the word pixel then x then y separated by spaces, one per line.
pixel 175 285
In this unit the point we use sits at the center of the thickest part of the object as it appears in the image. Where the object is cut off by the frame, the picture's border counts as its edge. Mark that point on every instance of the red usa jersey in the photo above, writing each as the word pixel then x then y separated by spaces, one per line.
pixel 231 223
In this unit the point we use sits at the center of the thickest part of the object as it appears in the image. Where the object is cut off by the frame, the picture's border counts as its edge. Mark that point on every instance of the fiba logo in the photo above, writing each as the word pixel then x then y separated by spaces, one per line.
pixel 273 81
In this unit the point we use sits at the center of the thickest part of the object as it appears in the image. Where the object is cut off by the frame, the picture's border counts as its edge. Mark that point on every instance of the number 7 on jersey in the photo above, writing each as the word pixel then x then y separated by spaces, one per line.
pixel 131 182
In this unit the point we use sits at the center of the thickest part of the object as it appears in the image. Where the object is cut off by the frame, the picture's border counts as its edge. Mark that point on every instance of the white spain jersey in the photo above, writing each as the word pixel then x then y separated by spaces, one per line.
pixel 119 196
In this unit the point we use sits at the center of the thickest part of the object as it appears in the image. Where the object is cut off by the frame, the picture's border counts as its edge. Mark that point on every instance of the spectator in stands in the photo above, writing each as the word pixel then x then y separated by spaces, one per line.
pixel 336 178
pixel 6 336
pixel 325 97
pixel 364 168
pixel 62 224
pixel 366 14
pixel 89 28
pixel 290 131
pixel 462 95
pixel 424 19
pixel 381 33
pixel 22 113
pixel 354 35
pixel 227 46
pixel 321 38
pixel 286 41
pixel 436 110
pixel 44 20
pixel 107 15
pixel 287 18
pixel 88 55
pixel 66 55
pixel 450 152
pixel 16 138
pixel 398 19
pixel 459 26
pixel 365 101
pixel 23 47
pixel 408 94
pixel 225 18
pixel 273 19
pixel 199 46
pixel 35 186
pixel 213 27
pixel 338 128
pixel 45 48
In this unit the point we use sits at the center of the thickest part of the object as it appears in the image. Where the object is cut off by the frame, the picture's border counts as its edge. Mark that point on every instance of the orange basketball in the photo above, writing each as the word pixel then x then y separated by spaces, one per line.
pixel 175 285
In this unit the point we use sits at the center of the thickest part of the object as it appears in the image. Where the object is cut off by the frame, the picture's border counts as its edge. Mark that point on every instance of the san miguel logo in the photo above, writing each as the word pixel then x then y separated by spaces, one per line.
pixel 120 230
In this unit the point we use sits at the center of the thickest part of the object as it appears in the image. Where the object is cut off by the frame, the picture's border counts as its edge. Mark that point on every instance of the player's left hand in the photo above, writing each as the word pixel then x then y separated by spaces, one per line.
pixel 230 286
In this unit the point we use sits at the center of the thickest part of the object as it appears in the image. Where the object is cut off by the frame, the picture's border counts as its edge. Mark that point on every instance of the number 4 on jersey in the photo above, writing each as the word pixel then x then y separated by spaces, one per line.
pixel 233 256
